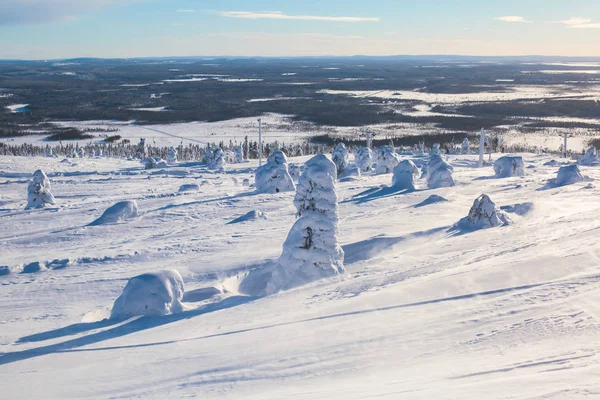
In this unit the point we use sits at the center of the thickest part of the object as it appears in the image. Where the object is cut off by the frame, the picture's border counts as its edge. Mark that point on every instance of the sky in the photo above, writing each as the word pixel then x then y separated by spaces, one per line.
pixel 54 29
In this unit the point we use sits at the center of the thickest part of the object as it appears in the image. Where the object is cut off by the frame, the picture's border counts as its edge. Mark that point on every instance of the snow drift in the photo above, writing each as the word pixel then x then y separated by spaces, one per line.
pixel 158 293
pixel 189 187
pixel 118 212
pixel 253 215
pixel 273 177
pixel 38 191
pixel 508 166
pixel 405 175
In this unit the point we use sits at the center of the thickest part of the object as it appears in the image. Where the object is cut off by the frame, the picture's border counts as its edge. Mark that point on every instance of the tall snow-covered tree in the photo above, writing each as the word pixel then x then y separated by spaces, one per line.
pixel 273 176
pixel 363 159
pixel 38 191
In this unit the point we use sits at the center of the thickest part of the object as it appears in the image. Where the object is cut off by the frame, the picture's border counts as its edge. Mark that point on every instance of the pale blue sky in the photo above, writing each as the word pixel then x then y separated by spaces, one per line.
pixel 42 29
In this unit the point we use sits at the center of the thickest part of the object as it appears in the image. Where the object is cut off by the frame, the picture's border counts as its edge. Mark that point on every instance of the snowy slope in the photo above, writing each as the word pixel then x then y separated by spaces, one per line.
pixel 423 311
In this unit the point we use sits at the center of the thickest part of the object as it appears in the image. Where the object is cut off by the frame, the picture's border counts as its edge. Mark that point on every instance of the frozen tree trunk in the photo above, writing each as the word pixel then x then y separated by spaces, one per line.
pixel 273 176
pixel 38 191
pixel 405 175
pixel 364 159
pixel 311 250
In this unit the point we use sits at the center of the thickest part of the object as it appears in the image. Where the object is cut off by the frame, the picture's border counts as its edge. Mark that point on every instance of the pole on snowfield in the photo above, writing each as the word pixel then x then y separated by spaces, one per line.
pixel 481 147
pixel 565 145
pixel 259 143
pixel 369 135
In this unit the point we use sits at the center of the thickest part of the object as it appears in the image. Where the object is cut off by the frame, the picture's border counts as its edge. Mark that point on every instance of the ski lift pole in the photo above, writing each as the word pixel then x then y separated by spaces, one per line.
pixel 565 145
pixel 481 146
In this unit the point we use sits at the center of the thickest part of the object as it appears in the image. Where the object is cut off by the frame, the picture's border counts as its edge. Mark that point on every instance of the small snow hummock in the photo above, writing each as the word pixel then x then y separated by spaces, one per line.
pixel 405 175
pixel 568 175
pixel 311 250
pixel 483 214
pixel 253 215
pixel 158 293
pixel 552 163
pixel 508 166
pixel 363 157
pixel 118 212
pixel 189 187
pixel 38 191
pixel 172 155
pixel 589 158
pixel 215 158
pixel 273 177
pixel 385 159
pixel 439 173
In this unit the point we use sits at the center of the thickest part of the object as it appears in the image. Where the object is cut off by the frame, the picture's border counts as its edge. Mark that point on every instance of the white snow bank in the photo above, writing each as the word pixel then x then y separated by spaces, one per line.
pixel 568 175
pixel 189 187
pixel 158 293
pixel 508 166
pixel 38 191
pixel 405 175
pixel 439 173
pixel 483 214
pixel 120 211
pixel 274 177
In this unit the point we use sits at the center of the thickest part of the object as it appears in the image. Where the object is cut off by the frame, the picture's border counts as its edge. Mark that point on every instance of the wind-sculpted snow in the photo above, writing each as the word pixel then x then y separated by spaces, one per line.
pixel 118 212
pixel 189 187
pixel 38 191
pixel 154 162
pixel 158 293
pixel 405 175
pixel 508 166
pixel 273 176
pixel 253 215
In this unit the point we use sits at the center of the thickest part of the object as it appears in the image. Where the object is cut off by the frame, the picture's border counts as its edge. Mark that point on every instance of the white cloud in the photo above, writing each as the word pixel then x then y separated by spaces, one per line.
pixel 513 18
pixel 186 11
pixel 280 15
pixel 579 23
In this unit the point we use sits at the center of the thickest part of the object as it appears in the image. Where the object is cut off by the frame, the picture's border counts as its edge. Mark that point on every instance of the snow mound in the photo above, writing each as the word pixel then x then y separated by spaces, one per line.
pixel 386 160
pixel 552 163
pixel 364 159
pixel 483 214
pixel 405 175
pixel 253 215
pixel 154 162
pixel 273 177
pixel 589 158
pixel 439 173
pixel 508 166
pixel 568 175
pixel 189 187
pixel 120 211
pixel 38 191
pixel 434 198
pixel 158 293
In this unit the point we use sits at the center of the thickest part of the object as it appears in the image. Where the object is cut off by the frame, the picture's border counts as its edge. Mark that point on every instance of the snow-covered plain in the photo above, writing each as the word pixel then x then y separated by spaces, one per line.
pixel 423 311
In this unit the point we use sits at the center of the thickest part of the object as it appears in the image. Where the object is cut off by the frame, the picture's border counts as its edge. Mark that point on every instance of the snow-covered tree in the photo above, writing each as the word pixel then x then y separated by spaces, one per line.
pixel 215 158
pixel 508 166
pixel 172 155
pixel 158 293
pixel 483 214
pixel 466 146
pixel 439 173
pixel 98 152
pixel 568 175
pixel 238 154
pixel 386 160
pixel 435 150
pixel 141 149
pixel 405 175
pixel 589 158
pixel 311 250
pixel 81 152
pixel 273 176
pixel 340 158
pixel 363 159
pixel 294 171
pixel 38 191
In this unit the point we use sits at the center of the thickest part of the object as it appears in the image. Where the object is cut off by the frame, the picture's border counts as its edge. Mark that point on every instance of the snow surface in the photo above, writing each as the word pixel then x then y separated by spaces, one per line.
pixel 421 313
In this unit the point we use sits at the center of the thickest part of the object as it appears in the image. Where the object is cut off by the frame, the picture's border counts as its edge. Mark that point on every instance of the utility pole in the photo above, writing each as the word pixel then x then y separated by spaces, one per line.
pixel 369 135
pixel 259 142
pixel 481 146
pixel 565 145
